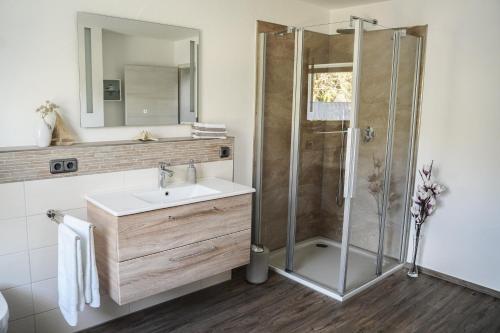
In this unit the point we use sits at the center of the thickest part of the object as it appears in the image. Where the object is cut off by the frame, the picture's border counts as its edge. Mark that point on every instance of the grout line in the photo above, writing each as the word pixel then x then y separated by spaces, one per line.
pixel 28 245
pixel 19 286
pixel 27 250
pixel 42 247
pixel 12 218
pixel 21 318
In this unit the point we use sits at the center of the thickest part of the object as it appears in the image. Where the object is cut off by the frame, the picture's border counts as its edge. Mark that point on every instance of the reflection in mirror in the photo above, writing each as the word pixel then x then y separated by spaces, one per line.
pixel 135 73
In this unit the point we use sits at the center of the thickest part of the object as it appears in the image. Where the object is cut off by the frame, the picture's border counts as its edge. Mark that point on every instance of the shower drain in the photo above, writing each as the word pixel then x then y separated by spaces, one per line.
pixel 321 245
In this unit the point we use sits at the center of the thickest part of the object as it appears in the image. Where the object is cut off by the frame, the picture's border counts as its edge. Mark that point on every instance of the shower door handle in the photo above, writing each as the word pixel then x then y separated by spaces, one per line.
pixel 351 160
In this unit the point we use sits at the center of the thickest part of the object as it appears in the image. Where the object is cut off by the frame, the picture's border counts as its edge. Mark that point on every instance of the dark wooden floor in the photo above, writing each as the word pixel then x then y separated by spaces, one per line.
pixel 397 304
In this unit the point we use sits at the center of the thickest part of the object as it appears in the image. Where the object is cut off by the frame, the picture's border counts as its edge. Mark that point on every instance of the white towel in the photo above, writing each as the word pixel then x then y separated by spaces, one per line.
pixel 208 126
pixel 70 275
pixel 90 277
pixel 195 136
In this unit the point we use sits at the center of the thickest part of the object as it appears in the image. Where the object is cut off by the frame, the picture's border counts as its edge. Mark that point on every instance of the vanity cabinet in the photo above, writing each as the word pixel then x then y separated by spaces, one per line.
pixel 143 254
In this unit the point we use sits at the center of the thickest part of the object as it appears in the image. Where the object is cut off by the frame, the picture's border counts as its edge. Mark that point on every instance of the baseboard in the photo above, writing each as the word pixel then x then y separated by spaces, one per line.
pixel 455 280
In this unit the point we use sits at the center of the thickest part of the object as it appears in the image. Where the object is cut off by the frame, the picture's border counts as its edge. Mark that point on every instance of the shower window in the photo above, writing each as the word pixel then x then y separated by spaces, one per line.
pixel 329 94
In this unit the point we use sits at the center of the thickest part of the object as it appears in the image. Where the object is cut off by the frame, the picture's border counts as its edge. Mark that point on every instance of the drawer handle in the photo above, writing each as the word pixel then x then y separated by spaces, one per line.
pixel 215 209
pixel 195 254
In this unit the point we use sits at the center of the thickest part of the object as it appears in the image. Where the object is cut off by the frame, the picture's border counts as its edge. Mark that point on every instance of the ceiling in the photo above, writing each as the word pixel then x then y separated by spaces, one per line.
pixel 334 4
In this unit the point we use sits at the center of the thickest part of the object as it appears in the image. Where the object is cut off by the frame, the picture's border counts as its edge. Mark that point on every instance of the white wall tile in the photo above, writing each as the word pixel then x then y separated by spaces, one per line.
pixel 12 203
pixel 81 213
pixel 149 177
pixel 14 270
pixel 24 325
pixel 42 231
pixel 13 235
pixel 217 169
pixel 67 193
pixel 142 178
pixel 20 301
pixel 43 262
pixel 45 295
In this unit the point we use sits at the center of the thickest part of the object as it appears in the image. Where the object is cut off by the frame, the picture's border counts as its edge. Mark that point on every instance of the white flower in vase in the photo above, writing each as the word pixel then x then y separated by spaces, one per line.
pixel 46 123
pixel 424 205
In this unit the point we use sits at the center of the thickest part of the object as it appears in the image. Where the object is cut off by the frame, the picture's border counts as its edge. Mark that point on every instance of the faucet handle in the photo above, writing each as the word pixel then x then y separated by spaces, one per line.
pixel 163 165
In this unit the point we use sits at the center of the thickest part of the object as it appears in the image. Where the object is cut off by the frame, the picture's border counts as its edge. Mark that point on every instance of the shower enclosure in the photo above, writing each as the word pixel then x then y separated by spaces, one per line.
pixel 336 117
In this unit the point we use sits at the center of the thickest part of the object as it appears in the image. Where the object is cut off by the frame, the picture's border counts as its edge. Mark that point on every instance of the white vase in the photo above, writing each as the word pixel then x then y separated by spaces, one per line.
pixel 44 128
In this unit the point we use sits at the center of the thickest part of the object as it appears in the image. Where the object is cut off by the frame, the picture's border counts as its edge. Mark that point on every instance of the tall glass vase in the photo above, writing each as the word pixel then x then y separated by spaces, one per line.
pixel 413 272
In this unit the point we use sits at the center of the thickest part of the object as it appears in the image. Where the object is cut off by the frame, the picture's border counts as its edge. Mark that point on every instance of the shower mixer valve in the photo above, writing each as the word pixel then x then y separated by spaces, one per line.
pixel 369 134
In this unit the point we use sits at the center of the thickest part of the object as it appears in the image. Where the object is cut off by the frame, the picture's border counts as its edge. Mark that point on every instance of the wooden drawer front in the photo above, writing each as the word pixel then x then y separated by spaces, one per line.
pixel 164 229
pixel 146 276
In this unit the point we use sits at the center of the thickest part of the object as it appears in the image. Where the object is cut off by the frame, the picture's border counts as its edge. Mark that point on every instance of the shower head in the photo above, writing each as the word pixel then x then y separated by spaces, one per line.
pixel 348 31
pixel 285 32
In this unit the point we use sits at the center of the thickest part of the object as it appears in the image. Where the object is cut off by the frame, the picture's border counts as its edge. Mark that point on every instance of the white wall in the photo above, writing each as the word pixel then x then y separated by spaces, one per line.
pixel 459 130
pixel 38 61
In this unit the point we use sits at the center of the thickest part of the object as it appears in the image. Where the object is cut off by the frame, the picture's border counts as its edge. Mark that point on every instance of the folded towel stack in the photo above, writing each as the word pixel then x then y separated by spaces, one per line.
pixel 78 283
pixel 209 131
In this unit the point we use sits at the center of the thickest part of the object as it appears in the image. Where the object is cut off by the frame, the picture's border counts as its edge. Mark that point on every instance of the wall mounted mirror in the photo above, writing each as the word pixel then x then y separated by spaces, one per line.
pixel 135 73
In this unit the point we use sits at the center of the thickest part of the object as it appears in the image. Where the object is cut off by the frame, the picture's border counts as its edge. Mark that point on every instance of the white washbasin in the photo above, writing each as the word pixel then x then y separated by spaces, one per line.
pixel 128 201
pixel 176 193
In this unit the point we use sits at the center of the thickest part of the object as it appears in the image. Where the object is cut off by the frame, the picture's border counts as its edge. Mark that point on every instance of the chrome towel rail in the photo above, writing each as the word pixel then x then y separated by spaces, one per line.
pixel 330 132
pixel 57 216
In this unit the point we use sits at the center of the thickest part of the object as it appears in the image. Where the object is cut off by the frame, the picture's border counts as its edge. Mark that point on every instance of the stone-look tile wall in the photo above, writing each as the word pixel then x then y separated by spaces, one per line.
pixel 341 50
pixel 374 109
pixel 277 135
pixel 320 161
pixel 278 100
pixel 400 150
pixel 309 215
pixel 374 112
pixel 317 214
pixel 29 164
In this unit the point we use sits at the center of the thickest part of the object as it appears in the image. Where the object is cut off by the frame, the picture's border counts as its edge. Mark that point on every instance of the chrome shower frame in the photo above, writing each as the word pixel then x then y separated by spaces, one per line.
pixel 351 153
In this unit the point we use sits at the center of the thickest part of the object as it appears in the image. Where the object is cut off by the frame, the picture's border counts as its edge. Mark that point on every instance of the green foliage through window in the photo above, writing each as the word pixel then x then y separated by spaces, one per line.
pixel 332 86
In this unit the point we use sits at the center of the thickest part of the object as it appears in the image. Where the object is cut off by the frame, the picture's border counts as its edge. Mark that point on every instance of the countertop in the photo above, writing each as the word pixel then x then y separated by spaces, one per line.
pixel 121 202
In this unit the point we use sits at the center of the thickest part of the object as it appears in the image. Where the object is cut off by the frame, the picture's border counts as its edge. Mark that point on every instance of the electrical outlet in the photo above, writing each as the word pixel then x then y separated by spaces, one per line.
pixel 225 152
pixel 63 165
pixel 70 165
pixel 56 166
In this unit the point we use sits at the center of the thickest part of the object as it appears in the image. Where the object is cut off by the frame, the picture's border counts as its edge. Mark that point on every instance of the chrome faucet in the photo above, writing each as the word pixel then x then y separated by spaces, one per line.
pixel 164 171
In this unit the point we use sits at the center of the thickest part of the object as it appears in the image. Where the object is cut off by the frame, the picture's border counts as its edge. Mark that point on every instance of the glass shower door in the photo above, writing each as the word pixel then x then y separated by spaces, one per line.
pixel 272 140
pixel 369 144
pixel 397 217
pixel 324 85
